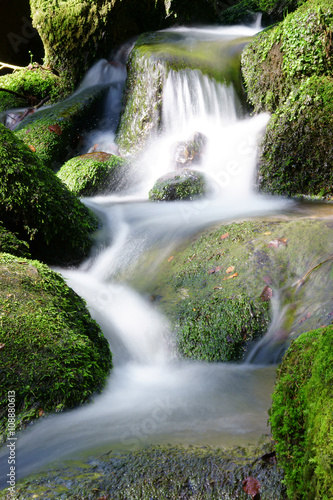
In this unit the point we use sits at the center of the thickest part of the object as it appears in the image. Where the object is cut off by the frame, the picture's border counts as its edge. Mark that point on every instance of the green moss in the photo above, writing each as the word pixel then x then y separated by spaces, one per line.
pixel 54 355
pixel 10 243
pixel 211 288
pixel 53 133
pixel 302 416
pixel 182 185
pixel 297 149
pixel 35 81
pixel 35 204
pixel 279 59
pixel 94 173
pixel 164 472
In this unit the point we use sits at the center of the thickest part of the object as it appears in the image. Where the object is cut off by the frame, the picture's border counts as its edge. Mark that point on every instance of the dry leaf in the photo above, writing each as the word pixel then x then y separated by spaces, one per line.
pixel 218 287
pixel 32 148
pixel 230 269
pixel 277 242
pixel 251 486
pixel 214 269
pixel 2 346
pixel 56 129
pixel 41 412
pixel 170 258
pixel 267 233
pixel 224 236
pixel 231 276
pixel 266 294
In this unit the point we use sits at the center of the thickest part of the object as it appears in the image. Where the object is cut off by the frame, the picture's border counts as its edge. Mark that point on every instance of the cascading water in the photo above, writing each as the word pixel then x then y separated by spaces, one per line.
pixel 151 395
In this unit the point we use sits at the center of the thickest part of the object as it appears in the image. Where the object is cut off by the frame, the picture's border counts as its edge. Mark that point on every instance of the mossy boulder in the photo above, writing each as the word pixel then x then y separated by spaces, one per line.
pixel 95 173
pixel 37 206
pixel 296 154
pixel 10 243
pixel 168 472
pixel 280 58
pixel 33 81
pixel 182 184
pixel 301 416
pixel 53 355
pixel 75 34
pixel 55 132
pixel 154 57
pixel 216 289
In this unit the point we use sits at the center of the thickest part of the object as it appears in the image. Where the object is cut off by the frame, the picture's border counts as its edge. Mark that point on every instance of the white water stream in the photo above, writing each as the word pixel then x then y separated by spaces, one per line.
pixel 151 396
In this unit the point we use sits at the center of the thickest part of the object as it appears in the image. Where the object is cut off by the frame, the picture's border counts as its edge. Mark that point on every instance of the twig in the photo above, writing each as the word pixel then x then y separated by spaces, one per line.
pixel 10 66
pixel 300 282
pixel 26 98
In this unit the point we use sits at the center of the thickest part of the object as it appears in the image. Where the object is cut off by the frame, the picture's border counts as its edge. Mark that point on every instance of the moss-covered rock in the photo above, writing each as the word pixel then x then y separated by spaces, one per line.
pixel 296 155
pixel 217 287
pixel 301 416
pixel 54 133
pixel 182 184
pixel 280 58
pixel 53 355
pixel 167 472
pixel 153 58
pixel 95 173
pixel 75 34
pixel 10 243
pixel 35 204
pixel 34 80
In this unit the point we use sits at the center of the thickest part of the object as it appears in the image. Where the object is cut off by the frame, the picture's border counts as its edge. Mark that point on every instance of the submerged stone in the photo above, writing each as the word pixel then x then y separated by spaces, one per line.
pixel 53 355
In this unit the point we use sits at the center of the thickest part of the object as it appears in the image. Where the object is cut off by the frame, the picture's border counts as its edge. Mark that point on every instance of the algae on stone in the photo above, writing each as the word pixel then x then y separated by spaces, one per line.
pixel 54 356
pixel 301 416
pixel 95 173
pixel 37 206
pixel 211 288
pixel 34 80
pixel 164 472
pixel 296 152
pixel 53 133
pixel 280 58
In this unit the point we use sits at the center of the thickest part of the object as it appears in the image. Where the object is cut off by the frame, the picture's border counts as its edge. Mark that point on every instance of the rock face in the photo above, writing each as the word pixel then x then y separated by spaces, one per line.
pixel 35 204
pixel 179 185
pixel 53 355
pixel 95 173
pixel 301 415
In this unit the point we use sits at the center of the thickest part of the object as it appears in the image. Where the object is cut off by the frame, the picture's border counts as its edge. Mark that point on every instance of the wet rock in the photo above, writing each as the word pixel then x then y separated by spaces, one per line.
pixel 184 185
pixel 189 152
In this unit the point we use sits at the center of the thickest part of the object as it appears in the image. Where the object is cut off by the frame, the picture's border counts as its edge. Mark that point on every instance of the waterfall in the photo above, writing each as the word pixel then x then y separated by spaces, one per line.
pixel 152 396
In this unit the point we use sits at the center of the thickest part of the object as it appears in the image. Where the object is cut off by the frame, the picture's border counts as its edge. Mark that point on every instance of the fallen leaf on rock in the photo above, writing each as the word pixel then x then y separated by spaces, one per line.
pixel 230 269
pixel 32 148
pixel 277 243
pixel 224 236
pixel 251 486
pixel 56 129
pixel 231 276
pixel 170 258
pixel 266 294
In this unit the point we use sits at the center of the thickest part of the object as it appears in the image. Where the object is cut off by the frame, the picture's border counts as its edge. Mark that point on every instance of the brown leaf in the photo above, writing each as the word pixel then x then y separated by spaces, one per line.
pixel 266 294
pixel 224 236
pixel 56 129
pixel 277 243
pixel 170 258
pixel 41 412
pixel 211 271
pixel 230 269
pixel 251 486
pixel 231 276
pixel 214 269
pixel 2 346
pixel 218 287
pixel 33 149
